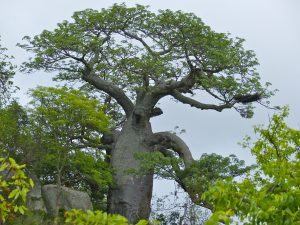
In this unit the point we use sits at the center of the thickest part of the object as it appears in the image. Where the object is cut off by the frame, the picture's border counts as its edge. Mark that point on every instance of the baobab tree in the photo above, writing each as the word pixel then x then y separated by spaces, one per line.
pixel 136 58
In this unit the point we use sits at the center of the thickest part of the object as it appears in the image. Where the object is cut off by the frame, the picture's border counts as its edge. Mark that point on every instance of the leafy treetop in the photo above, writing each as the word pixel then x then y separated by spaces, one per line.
pixel 123 51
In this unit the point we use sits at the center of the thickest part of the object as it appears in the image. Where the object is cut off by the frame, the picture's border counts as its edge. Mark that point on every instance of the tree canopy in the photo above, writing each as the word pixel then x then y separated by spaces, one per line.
pixel 123 50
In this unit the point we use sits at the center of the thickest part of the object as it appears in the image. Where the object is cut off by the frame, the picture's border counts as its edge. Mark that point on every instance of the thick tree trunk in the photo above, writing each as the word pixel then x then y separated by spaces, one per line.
pixel 131 195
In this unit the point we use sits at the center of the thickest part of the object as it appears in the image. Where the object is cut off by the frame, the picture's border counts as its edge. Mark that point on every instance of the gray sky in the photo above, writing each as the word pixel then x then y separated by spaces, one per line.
pixel 271 28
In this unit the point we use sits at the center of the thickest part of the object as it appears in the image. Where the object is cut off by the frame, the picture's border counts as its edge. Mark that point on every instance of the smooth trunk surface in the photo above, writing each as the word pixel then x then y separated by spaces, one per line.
pixel 131 196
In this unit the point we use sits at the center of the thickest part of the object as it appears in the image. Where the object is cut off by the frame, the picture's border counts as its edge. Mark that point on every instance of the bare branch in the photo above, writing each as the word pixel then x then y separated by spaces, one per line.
pixel 110 138
pixel 111 89
pixel 211 93
pixel 172 141
pixel 156 112
pixel 164 88
pixel 141 40
pixel 194 103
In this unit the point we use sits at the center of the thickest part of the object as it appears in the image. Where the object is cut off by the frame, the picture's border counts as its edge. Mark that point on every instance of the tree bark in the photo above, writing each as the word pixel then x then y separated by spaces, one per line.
pixel 131 194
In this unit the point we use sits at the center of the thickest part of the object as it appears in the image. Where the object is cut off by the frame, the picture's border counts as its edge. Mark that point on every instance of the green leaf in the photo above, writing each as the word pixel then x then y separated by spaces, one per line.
pixel 14 194
pixel 143 222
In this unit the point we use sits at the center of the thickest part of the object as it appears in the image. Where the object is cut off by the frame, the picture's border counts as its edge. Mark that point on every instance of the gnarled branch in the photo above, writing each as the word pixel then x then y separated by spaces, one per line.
pixel 194 103
pixel 164 88
pixel 156 112
pixel 173 142
pixel 167 142
pixel 143 42
pixel 111 89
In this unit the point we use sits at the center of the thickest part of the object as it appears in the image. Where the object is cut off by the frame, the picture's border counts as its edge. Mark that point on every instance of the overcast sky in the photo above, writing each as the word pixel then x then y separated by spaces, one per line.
pixel 271 28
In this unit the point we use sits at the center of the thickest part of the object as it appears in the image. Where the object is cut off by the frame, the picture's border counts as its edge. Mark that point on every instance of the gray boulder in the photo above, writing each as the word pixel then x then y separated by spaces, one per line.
pixel 34 198
pixel 68 199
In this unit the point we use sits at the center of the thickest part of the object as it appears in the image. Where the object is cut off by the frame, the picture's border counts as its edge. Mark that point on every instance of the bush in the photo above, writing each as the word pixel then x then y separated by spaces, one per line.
pixel 77 217
pixel 14 186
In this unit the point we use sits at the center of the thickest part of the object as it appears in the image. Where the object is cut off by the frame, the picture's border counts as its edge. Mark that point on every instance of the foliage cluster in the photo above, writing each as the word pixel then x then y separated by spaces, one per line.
pixel 7 71
pixel 197 176
pixel 271 193
pixel 77 217
pixel 68 125
pixel 14 186
pixel 58 136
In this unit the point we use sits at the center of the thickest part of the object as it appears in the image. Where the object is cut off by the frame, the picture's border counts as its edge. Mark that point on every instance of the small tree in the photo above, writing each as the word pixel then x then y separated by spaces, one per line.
pixel 68 126
pixel 270 194
pixel 136 58
pixel 15 137
pixel 6 74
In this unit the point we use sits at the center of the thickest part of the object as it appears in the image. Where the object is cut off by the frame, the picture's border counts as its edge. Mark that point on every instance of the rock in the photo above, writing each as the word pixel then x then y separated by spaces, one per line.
pixel 68 199
pixel 34 198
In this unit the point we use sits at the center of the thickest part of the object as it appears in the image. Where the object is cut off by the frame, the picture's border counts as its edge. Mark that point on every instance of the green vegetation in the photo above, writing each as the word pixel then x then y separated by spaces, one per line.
pixel 271 193
pixel 97 137
pixel 68 125
pixel 131 58
pixel 77 217
pixel 14 186
pixel 7 71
